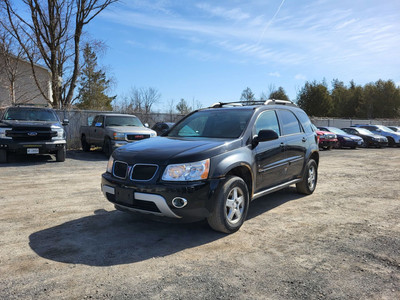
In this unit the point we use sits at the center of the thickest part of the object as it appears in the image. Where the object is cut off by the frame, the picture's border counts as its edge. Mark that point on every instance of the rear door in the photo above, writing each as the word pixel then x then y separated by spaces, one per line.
pixel 295 142
pixel 269 156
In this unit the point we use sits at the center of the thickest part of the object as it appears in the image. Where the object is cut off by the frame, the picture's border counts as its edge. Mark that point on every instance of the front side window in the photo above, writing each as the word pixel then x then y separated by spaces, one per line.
pixel 267 121
pixel 289 122
pixel 218 123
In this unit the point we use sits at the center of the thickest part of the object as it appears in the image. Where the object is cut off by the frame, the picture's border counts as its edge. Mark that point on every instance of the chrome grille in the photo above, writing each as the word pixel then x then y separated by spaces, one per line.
pixel 120 169
pixel 143 172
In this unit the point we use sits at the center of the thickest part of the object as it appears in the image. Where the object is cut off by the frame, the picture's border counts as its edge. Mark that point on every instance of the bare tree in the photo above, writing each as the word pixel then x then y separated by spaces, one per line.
pixel 150 96
pixel 54 29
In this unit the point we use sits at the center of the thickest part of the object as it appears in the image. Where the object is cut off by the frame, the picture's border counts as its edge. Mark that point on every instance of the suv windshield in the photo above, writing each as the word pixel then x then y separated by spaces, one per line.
pixel 30 114
pixel 123 121
pixel 217 123
pixel 384 128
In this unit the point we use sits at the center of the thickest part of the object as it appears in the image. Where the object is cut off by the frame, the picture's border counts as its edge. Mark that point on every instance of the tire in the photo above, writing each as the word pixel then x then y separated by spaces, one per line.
pixel 309 182
pixel 391 142
pixel 85 145
pixel 107 148
pixel 61 154
pixel 3 156
pixel 231 206
pixel 337 145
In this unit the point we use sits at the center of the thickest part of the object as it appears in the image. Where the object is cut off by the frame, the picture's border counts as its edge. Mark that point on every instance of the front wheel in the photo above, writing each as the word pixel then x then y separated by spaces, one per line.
pixel 60 155
pixel 3 156
pixel 309 182
pixel 85 145
pixel 107 148
pixel 232 204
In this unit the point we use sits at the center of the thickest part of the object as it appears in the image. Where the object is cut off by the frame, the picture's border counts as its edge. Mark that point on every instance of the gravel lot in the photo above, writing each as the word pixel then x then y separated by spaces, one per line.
pixel 60 238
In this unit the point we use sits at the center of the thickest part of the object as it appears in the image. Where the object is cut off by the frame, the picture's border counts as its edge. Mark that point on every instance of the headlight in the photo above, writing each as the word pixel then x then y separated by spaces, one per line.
pixel 322 136
pixel 3 133
pixel 375 139
pixel 119 136
pixel 188 171
pixel 153 134
pixel 60 133
pixel 110 164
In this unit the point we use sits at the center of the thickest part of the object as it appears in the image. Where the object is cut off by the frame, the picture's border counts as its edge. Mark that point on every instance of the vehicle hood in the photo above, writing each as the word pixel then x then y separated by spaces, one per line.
pixel 168 150
pixel 354 137
pixel 130 129
pixel 17 123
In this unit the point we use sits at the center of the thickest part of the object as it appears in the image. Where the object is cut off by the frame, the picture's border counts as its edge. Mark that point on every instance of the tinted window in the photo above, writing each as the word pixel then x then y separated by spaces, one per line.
pixel 267 121
pixel 218 123
pixel 305 121
pixel 289 122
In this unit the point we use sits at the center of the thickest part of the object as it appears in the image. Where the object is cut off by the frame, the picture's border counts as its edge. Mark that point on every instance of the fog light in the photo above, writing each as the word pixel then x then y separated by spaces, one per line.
pixel 179 202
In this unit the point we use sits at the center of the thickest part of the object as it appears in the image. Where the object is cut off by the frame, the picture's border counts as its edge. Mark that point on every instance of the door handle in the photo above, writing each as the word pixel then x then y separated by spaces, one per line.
pixel 304 139
pixel 282 146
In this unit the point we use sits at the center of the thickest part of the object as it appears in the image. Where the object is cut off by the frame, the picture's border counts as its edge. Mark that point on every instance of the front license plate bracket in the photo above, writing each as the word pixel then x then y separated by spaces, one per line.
pixel 124 196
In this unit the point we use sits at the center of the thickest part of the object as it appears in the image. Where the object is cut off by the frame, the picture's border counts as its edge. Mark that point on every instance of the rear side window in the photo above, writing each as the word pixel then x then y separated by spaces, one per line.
pixel 305 121
pixel 289 122
pixel 267 121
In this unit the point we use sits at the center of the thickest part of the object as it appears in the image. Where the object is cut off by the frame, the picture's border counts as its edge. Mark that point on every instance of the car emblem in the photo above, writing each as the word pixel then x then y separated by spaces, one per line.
pixel 32 133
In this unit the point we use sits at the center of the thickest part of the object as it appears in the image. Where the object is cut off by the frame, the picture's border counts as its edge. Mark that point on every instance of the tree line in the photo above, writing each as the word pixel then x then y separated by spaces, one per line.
pixel 380 99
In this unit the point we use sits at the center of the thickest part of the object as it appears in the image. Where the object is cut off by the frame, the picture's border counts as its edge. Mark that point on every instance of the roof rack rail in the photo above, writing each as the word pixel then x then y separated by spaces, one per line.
pixel 280 102
pixel 225 104
pixel 31 104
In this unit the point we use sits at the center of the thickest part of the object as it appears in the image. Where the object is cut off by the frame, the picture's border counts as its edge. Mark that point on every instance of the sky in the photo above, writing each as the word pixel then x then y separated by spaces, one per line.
pixel 210 51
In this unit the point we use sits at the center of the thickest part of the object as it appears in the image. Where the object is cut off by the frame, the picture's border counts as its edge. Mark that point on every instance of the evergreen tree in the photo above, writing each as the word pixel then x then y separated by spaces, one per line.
pixel 278 94
pixel 183 108
pixel 93 84
pixel 247 97
pixel 314 99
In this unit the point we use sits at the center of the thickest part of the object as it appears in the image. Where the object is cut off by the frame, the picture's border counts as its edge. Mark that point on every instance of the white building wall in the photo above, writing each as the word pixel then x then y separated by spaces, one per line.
pixel 25 89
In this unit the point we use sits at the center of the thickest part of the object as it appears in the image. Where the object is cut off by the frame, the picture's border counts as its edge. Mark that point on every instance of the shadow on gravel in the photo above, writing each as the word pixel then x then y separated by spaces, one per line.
pixel 20 160
pixel 93 155
pixel 112 237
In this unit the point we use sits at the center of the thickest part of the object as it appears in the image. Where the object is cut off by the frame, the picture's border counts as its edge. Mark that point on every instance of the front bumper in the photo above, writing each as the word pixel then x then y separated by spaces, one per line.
pixel 34 147
pixel 157 198
pixel 351 143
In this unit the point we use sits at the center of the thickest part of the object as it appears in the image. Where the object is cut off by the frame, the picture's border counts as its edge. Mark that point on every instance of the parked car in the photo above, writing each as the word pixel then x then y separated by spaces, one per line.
pixel 344 139
pixel 214 162
pixel 32 130
pixel 326 139
pixel 392 136
pixel 111 131
pixel 370 139
pixel 395 128
pixel 162 127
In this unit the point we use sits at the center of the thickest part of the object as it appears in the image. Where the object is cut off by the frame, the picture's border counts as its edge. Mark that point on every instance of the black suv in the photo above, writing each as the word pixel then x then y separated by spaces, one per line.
pixel 213 162
pixel 32 130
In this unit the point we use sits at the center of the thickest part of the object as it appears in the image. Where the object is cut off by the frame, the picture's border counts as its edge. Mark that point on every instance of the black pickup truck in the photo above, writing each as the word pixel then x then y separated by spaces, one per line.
pixel 32 130
pixel 213 162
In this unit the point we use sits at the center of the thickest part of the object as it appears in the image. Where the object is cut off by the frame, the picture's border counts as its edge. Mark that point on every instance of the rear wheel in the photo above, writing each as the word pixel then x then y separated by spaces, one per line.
pixel 3 156
pixel 232 204
pixel 309 181
pixel 60 155
pixel 391 142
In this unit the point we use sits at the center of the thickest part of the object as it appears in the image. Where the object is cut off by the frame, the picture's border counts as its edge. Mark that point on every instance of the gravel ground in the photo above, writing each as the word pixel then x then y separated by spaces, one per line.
pixel 60 238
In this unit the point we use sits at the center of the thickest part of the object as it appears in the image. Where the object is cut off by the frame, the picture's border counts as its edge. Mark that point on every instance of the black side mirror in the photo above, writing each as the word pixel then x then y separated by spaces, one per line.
pixel 65 122
pixel 264 136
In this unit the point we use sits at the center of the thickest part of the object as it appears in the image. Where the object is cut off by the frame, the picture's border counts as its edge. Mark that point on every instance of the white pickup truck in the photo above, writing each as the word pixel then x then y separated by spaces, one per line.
pixel 111 131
